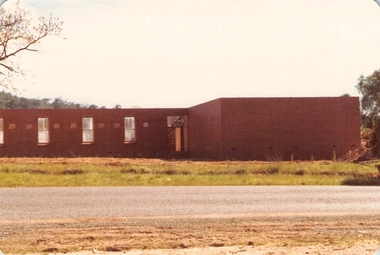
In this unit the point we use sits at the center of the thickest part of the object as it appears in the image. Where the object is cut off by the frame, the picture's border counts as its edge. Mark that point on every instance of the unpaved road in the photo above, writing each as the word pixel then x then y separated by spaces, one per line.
pixel 219 220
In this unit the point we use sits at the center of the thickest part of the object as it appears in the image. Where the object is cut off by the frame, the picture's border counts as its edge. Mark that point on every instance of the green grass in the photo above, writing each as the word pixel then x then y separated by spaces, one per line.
pixel 44 173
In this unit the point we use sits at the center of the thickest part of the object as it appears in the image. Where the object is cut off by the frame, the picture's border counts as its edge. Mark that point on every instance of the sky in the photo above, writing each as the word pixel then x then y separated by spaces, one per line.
pixel 176 53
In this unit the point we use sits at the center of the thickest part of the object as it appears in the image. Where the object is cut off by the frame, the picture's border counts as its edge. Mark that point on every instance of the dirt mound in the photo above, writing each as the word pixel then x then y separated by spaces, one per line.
pixel 360 154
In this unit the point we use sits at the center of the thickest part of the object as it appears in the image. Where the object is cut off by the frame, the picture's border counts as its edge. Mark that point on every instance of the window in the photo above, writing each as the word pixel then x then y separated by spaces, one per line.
pixel 43 130
pixel 1 131
pixel 129 130
pixel 88 130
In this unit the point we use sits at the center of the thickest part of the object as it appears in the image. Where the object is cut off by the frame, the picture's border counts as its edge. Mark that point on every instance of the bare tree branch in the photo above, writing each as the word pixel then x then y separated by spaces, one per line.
pixel 19 34
pixel 8 67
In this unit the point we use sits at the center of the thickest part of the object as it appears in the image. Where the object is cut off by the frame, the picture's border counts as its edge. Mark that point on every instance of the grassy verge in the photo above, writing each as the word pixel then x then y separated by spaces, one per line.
pixel 129 172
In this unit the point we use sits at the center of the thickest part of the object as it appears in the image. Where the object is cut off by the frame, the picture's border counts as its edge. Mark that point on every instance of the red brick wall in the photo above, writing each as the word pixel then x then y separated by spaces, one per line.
pixel 205 136
pixel 227 128
pixel 285 128
pixel 152 140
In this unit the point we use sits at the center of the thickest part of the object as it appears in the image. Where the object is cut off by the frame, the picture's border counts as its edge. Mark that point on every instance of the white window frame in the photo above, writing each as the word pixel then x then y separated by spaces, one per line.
pixel 129 130
pixel 87 130
pixel 43 130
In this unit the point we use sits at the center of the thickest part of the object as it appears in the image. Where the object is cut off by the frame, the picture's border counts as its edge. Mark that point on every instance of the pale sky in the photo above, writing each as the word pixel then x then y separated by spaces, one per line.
pixel 176 53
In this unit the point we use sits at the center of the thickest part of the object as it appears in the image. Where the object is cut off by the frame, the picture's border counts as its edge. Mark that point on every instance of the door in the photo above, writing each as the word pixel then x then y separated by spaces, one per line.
pixel 177 134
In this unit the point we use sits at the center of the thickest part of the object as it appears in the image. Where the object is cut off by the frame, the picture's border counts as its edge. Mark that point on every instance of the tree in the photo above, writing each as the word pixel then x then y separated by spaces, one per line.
pixel 93 106
pixel 9 101
pixel 18 34
pixel 58 103
pixel 369 88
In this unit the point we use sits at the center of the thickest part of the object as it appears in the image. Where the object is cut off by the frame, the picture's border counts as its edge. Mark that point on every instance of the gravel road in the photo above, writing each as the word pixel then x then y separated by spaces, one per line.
pixel 106 202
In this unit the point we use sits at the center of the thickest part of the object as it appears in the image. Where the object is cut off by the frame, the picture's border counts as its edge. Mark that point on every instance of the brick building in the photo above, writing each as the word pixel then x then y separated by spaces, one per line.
pixel 225 128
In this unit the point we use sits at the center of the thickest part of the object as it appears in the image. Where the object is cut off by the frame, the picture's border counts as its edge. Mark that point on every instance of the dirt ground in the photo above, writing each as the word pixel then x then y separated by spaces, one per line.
pixel 364 249
pixel 239 234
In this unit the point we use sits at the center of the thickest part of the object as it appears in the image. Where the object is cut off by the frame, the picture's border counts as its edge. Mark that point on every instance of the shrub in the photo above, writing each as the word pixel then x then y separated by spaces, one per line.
pixel 39 171
pixel 170 172
pixel 241 171
pixel 300 172
pixel 361 182
pixel 128 171
pixel 72 171
pixel 378 167
pixel 271 170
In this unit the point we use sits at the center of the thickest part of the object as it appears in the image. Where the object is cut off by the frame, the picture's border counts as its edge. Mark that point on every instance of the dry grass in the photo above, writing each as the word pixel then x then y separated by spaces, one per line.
pixel 42 172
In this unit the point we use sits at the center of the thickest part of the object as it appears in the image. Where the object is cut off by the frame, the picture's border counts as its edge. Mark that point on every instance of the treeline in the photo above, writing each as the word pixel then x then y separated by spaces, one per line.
pixel 9 101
